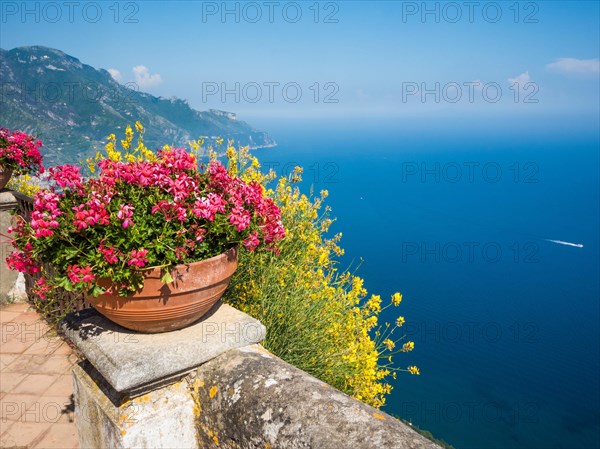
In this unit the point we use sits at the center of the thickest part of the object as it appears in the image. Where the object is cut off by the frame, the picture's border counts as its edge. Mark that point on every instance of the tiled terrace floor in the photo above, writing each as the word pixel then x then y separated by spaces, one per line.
pixel 36 406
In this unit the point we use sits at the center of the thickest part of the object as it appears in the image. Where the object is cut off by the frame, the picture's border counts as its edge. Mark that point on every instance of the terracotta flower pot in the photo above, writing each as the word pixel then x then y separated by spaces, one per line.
pixel 159 307
pixel 4 176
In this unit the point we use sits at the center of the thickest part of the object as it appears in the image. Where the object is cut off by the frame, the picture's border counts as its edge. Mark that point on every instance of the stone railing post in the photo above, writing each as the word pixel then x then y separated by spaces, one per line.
pixel 12 283
pixel 133 389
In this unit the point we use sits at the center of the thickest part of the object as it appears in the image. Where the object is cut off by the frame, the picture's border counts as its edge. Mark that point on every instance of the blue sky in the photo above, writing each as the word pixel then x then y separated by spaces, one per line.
pixel 338 59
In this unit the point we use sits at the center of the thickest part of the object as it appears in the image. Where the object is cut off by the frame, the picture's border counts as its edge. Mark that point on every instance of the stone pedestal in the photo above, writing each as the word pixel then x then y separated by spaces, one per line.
pixel 12 284
pixel 135 390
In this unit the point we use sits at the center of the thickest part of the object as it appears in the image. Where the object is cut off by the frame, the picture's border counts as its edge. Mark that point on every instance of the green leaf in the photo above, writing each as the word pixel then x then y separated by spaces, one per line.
pixel 96 291
pixel 70 253
pixel 166 278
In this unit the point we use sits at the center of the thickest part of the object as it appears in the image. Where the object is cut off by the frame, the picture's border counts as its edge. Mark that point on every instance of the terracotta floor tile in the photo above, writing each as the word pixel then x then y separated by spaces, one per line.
pixel 43 346
pixel 60 436
pixel 34 384
pixel 7 316
pixel 16 307
pixel 50 409
pixel 28 364
pixel 62 386
pixel 23 434
pixel 12 406
pixel 63 349
pixel 8 381
pixel 14 346
pixel 28 331
pixel 6 359
pixel 28 318
pixel 59 364
pixel 10 330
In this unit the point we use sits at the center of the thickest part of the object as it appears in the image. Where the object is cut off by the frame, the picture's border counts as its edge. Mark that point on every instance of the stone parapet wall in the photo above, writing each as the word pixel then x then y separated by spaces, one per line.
pixel 140 390
pixel 249 398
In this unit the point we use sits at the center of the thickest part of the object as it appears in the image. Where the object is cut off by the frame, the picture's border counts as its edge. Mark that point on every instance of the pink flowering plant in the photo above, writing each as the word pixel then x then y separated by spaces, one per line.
pixel 20 152
pixel 137 215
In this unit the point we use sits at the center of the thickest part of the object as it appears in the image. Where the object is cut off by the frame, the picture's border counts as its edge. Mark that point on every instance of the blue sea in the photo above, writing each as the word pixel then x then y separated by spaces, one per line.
pixel 459 215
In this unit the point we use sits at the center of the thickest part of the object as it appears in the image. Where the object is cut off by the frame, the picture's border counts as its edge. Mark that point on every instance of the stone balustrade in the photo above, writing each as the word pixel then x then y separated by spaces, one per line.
pixel 211 385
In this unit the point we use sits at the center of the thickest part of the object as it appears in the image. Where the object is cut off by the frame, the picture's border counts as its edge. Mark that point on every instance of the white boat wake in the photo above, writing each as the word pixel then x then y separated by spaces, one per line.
pixel 560 242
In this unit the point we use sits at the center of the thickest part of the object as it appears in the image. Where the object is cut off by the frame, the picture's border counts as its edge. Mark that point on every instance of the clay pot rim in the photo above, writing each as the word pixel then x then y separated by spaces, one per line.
pixel 155 271
pixel 225 253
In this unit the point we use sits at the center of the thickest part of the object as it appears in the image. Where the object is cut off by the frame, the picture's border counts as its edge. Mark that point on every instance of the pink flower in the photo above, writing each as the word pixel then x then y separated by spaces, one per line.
pixel 21 262
pixel 178 159
pixel 199 234
pixel 138 258
pixel 86 275
pixel 41 288
pixel 219 177
pixel 209 206
pixel 66 176
pixel 20 151
pixel 240 218
pixel 125 213
pixel 77 274
pixel 252 241
pixel 80 218
pixel 109 254
pixel 45 213
pixel 181 252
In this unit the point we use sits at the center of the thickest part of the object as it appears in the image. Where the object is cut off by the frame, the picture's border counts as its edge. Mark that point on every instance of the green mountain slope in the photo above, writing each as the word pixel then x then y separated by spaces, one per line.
pixel 72 107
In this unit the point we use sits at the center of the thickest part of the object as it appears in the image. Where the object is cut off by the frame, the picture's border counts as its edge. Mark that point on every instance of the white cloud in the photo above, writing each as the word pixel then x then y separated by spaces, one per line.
pixel 144 79
pixel 116 75
pixel 521 79
pixel 573 65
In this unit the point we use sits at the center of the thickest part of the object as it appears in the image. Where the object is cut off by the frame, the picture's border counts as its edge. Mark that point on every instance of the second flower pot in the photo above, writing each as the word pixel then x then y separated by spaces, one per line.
pixel 5 175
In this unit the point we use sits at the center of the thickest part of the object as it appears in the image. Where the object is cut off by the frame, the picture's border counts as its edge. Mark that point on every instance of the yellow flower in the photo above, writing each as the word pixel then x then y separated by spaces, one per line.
pixel 414 370
pixel 24 184
pixel 297 174
pixel 408 346
pixel 389 344
pixel 126 144
pixel 400 321
pixel 212 154
pixel 396 298
pixel 91 164
pixel 374 303
pixel 219 140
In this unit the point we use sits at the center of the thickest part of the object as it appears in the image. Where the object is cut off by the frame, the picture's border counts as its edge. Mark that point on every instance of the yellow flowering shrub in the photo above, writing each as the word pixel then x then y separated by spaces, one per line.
pixel 318 317
pixel 24 184
pixel 127 153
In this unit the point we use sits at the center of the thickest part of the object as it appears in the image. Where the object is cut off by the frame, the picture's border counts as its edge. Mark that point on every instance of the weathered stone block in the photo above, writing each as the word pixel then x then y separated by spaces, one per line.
pixel 251 399
pixel 12 284
pixel 162 418
pixel 133 362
